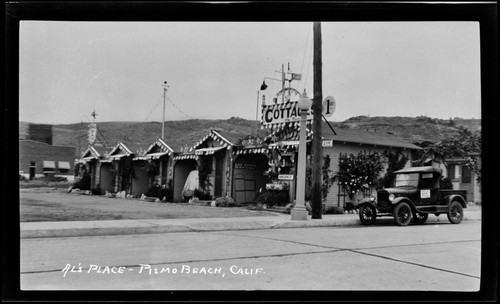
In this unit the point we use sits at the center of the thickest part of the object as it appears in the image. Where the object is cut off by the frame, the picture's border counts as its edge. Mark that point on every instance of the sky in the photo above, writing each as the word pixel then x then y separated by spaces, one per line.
pixel 214 69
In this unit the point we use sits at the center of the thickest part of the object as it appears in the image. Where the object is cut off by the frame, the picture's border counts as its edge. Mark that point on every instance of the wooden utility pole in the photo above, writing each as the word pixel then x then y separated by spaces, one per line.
pixel 317 149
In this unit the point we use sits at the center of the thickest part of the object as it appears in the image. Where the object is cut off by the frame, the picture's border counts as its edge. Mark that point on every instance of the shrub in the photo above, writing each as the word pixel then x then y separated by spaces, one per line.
pixel 332 210
pixel 83 183
pixel 96 191
pixel 160 192
pixel 202 195
pixel 269 198
pixel 48 179
pixel 225 202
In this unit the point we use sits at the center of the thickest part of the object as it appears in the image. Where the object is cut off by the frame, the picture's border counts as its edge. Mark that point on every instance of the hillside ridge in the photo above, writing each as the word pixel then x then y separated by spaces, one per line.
pixel 412 129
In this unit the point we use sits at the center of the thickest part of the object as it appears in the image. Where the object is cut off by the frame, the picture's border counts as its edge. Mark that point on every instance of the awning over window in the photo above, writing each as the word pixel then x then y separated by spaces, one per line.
pixel 64 165
pixel 49 164
pixel 188 156
pixel 152 156
pixel 252 151
pixel 207 151
pixel 118 156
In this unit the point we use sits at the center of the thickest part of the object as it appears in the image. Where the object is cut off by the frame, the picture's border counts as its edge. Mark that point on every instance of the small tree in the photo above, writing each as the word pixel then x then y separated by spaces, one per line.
pixel 395 161
pixel 357 172
pixel 460 145
pixel 204 170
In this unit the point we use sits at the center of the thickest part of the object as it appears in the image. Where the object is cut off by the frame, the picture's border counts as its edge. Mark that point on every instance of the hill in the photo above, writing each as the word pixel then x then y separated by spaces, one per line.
pixel 179 133
pixel 413 129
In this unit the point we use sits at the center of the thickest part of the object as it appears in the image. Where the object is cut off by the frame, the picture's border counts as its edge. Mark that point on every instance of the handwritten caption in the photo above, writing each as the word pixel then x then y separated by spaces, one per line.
pixel 147 269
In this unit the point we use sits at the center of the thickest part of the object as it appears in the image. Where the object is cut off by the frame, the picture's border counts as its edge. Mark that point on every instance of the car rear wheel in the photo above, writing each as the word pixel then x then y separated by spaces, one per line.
pixel 367 214
pixel 420 218
pixel 402 214
pixel 455 213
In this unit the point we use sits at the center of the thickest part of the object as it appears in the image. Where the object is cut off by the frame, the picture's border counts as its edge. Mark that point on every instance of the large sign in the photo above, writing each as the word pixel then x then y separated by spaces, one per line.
pixel 282 113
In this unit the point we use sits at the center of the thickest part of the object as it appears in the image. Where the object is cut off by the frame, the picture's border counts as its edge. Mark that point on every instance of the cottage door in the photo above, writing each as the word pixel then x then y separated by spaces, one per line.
pixel 219 166
pixel 249 188
pixel 239 188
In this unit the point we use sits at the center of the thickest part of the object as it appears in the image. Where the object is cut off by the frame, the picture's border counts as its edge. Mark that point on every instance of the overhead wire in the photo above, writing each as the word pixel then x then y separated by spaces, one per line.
pixel 304 54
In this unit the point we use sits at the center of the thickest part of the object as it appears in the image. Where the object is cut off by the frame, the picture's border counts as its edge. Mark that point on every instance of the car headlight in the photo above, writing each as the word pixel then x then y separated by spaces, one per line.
pixel 391 197
pixel 372 198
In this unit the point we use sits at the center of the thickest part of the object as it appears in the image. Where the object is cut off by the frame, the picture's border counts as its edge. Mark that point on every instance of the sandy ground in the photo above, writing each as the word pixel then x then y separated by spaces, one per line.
pixel 55 204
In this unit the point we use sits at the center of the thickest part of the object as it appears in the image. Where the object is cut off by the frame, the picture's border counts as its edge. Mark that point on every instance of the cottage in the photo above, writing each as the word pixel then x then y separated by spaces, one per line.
pixel 337 144
pixel 117 170
pixel 153 168
pixel 91 159
pixel 349 141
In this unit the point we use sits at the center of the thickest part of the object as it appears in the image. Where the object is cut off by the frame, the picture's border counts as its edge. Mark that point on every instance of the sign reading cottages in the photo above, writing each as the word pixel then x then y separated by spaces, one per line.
pixel 282 113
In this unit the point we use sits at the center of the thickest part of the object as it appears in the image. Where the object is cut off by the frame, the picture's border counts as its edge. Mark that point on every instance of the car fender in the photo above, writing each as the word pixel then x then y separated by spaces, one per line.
pixel 456 197
pixel 402 199
pixel 366 201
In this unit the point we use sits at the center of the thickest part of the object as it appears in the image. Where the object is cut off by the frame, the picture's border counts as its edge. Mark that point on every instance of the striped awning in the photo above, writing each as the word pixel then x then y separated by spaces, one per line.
pixel 49 164
pixel 207 151
pixel 118 156
pixel 64 165
pixel 151 156
pixel 285 144
pixel 189 156
pixel 252 151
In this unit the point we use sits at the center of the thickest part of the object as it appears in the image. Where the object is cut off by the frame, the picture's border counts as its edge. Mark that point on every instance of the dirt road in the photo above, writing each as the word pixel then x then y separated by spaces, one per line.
pixel 54 204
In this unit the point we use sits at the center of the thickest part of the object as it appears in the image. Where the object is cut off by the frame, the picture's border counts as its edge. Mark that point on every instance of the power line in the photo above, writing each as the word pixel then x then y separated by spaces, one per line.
pixel 305 48
pixel 180 111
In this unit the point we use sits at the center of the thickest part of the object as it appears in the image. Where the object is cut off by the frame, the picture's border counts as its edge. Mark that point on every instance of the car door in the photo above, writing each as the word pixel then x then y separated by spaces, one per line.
pixel 428 189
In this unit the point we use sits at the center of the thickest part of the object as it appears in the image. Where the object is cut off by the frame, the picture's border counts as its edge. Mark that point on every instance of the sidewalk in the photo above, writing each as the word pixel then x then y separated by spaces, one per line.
pixel 118 227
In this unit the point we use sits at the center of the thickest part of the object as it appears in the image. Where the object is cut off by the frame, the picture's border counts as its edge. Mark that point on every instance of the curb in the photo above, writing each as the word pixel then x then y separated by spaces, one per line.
pixel 34 230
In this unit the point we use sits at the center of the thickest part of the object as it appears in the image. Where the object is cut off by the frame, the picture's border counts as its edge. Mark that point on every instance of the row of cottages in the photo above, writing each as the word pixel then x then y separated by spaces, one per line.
pixel 239 165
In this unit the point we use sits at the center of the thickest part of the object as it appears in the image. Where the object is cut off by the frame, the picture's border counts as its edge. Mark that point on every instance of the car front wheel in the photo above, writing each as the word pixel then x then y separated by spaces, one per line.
pixel 455 213
pixel 367 214
pixel 402 214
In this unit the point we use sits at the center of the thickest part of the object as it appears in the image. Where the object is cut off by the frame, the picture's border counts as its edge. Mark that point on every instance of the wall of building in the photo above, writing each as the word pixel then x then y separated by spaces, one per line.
pixel 34 151
pixel 455 172
pixel 349 148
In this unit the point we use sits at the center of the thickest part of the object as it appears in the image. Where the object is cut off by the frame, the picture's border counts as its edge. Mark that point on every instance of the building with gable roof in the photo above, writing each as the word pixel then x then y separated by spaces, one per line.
pixel 91 159
pixel 154 167
pixel 116 170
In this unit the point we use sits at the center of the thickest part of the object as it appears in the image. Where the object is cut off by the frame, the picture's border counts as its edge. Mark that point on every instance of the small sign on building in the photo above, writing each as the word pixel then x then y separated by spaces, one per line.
pixel 327 142
pixel 285 176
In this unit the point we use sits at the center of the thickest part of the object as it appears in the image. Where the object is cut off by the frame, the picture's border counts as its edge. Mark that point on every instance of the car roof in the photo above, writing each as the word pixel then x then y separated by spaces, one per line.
pixel 426 169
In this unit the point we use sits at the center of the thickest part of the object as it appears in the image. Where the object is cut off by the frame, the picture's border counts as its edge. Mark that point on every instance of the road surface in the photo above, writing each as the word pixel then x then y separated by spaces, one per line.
pixel 431 257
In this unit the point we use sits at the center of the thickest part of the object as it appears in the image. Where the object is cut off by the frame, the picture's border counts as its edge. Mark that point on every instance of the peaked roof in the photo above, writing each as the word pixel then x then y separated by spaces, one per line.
pixel 161 144
pixel 365 137
pixel 127 150
pixel 223 137
pixel 96 152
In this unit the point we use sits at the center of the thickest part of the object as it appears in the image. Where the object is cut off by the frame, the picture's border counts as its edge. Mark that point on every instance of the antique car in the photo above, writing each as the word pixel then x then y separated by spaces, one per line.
pixel 415 195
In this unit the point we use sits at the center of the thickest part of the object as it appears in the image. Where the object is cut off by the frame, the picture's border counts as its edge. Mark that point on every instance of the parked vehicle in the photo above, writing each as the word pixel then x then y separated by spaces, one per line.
pixel 415 195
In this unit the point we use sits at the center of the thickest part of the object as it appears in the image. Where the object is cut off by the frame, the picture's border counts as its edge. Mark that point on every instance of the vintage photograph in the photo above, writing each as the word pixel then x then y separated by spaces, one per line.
pixel 305 155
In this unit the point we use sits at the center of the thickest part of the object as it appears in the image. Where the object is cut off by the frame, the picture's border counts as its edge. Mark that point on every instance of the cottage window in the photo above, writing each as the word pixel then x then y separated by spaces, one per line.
pixel 453 171
pixel 466 175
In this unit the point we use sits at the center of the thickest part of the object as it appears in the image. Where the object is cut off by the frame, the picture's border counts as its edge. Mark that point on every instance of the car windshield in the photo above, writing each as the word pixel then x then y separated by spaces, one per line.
pixel 405 180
